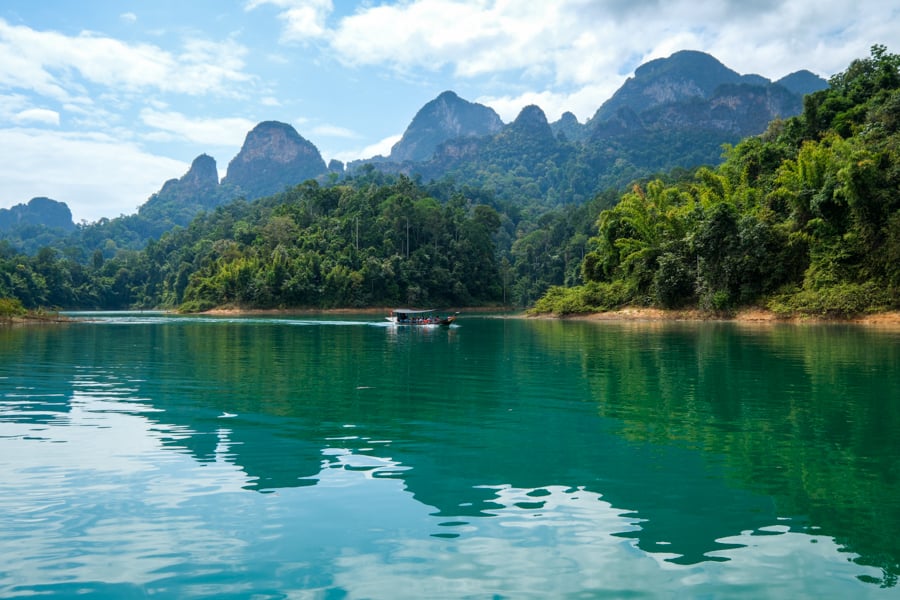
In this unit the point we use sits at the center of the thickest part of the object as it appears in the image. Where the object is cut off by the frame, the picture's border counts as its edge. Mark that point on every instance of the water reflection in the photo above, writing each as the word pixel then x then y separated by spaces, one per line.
pixel 525 457
pixel 803 414
pixel 89 499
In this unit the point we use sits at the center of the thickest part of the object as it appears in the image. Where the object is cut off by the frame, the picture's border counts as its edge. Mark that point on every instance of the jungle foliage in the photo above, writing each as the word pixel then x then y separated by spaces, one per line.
pixel 346 245
pixel 804 219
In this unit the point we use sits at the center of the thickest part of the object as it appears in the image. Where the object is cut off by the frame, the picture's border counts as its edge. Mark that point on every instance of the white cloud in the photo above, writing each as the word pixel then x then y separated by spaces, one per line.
pixel 11 104
pixel 97 176
pixel 228 132
pixel 17 109
pixel 304 19
pixel 333 131
pixel 570 48
pixel 46 62
pixel 821 37
pixel 583 103
pixel 90 116
pixel 561 55
pixel 37 115
pixel 209 67
pixel 381 147
pixel 564 43
pixel 427 34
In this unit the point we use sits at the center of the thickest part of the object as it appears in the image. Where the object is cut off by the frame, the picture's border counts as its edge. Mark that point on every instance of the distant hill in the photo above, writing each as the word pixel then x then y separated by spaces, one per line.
pixel 445 118
pixel 38 212
pixel 524 142
pixel 802 82
pixel 569 127
pixel 674 112
pixel 665 81
pixel 274 156
pixel 180 200
pixel 694 91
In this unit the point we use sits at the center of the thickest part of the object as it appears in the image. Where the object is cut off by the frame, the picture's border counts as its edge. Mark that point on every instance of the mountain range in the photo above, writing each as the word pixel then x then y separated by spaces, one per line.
pixel 674 112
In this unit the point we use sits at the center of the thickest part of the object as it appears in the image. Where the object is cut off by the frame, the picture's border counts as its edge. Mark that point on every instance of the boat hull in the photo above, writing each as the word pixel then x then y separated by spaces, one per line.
pixel 419 318
pixel 442 322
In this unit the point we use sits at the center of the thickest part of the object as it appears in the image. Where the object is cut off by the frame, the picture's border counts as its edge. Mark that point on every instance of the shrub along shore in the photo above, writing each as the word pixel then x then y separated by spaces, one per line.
pixel 748 315
pixel 15 315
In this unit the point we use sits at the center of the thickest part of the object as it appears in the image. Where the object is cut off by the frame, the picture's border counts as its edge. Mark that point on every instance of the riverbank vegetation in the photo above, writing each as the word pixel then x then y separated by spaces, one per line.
pixel 10 308
pixel 12 311
pixel 804 219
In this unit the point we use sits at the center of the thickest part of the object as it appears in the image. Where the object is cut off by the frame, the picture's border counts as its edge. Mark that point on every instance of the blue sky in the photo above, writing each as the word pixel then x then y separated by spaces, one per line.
pixel 102 101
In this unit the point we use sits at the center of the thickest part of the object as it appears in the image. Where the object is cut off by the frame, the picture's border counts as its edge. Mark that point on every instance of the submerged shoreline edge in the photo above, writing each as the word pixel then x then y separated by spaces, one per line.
pixel 748 316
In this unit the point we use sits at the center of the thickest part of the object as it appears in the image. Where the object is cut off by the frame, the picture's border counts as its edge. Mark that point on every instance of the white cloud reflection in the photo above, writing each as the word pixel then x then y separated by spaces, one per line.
pixel 105 492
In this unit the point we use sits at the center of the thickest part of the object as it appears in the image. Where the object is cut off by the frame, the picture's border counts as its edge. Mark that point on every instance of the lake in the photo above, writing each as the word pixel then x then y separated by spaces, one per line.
pixel 339 457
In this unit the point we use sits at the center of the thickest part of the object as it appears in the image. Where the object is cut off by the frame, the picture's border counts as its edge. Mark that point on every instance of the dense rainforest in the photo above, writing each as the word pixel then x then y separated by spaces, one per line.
pixel 802 219
pixel 369 240
pixel 373 240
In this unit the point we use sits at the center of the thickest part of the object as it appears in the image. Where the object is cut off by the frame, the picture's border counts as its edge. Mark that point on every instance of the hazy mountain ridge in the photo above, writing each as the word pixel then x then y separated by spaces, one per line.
pixel 674 112
pixel 685 74
pixel 446 117
pixel 194 191
pixel 802 82
pixel 274 156
pixel 568 126
pixel 38 211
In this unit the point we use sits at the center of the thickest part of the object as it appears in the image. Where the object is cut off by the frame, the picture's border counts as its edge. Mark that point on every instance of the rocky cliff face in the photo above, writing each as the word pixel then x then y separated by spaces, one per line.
pixel 274 156
pixel 179 200
pixel 674 112
pixel 802 82
pixel 38 211
pixel 741 110
pixel 445 118
pixel 684 75
pixel 202 179
pixel 694 92
pixel 569 127
pixel 532 123
pixel 203 174
pixel 688 79
pixel 521 145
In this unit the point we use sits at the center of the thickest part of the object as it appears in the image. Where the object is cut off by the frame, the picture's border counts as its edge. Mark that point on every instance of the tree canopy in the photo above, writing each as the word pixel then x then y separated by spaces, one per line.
pixel 802 219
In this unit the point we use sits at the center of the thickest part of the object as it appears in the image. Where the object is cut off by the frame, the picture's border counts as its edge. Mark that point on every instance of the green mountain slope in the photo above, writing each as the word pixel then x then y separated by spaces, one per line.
pixel 804 219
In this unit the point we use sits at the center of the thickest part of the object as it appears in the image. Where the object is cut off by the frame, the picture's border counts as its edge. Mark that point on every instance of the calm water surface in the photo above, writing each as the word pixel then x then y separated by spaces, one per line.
pixel 185 457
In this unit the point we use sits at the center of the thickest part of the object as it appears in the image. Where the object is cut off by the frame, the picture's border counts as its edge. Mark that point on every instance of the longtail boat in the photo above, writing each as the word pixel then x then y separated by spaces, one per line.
pixel 420 318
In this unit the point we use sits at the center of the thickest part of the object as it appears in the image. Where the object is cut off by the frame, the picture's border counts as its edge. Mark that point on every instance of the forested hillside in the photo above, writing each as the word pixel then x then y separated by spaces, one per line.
pixel 350 245
pixel 675 113
pixel 803 219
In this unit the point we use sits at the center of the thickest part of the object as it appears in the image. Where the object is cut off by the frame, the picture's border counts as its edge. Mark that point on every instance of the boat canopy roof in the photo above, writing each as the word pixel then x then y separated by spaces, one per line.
pixel 410 311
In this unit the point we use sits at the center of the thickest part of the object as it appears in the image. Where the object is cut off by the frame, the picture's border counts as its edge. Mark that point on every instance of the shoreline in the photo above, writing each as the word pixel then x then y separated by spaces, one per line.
pixel 745 316
pixel 36 320
pixel 760 316
pixel 383 310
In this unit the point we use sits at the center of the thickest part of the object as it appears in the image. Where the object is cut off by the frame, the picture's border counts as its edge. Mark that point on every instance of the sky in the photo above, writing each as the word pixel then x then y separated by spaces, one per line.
pixel 103 101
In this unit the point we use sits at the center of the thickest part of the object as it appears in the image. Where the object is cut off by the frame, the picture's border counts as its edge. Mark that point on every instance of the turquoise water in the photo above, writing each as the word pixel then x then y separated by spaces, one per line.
pixel 337 457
